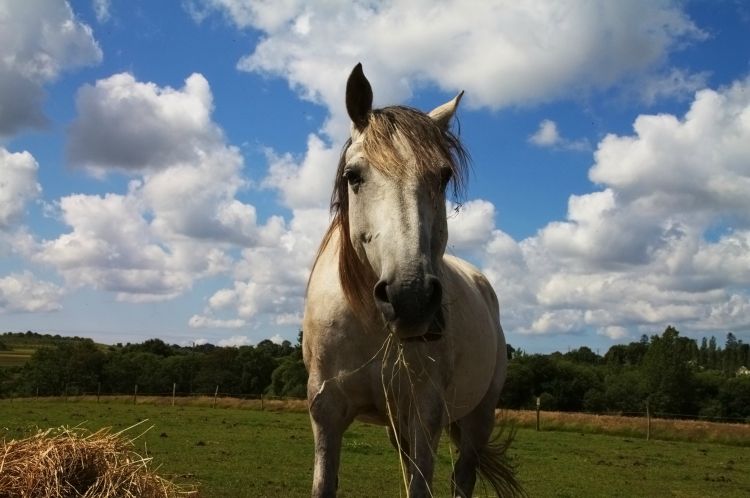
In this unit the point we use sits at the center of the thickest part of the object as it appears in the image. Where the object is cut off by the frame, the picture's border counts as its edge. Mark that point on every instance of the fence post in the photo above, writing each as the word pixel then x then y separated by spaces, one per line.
pixel 216 393
pixel 648 420
pixel 135 394
pixel 174 390
pixel 538 405
pixel 98 390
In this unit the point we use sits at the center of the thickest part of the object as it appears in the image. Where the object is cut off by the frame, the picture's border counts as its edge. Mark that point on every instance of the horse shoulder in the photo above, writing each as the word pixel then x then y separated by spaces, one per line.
pixel 471 279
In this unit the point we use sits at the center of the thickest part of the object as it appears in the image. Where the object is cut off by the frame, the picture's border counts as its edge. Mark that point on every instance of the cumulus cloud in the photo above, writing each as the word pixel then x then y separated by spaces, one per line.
pixel 180 217
pixel 306 183
pixel 276 339
pixel 270 281
pixel 24 293
pixel 547 135
pixel 131 125
pixel 470 225
pixel 540 50
pixel 18 185
pixel 39 39
pixel 639 253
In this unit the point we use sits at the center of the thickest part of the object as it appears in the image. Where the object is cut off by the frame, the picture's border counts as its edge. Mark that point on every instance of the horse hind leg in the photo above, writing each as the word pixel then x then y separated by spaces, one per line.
pixel 469 435
pixel 480 452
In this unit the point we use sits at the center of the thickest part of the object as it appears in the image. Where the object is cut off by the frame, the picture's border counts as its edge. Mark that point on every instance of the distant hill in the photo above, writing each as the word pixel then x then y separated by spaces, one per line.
pixel 17 347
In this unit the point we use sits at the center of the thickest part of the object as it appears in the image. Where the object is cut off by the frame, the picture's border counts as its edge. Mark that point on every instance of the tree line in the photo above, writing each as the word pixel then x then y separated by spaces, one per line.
pixel 78 366
pixel 673 374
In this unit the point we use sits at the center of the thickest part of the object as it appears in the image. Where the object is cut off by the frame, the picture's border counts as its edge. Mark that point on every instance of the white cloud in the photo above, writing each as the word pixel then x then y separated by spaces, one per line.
pixel 39 39
pixel 540 50
pixel 614 332
pixel 180 217
pixel 470 225
pixel 638 252
pixel 547 135
pixel 200 322
pixel 23 293
pixel 270 281
pixel 18 185
pixel 102 10
pixel 130 125
pixel 276 339
pixel 306 184
pixel 235 341
pixel 679 84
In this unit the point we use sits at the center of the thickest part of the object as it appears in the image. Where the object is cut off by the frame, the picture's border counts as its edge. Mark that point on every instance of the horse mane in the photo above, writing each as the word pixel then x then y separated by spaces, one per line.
pixel 433 148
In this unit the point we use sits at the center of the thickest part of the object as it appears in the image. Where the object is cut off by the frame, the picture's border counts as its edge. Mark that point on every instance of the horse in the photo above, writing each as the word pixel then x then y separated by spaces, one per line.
pixel 396 332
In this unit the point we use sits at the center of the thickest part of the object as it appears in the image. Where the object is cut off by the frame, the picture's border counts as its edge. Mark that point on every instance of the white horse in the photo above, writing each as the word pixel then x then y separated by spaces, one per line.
pixel 395 331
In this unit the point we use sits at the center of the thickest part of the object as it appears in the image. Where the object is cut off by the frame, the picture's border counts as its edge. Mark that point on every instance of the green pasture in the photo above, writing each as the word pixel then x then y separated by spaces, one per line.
pixel 231 452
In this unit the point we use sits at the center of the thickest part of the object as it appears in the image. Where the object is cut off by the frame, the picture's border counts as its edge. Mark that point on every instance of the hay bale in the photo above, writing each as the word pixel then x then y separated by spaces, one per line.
pixel 73 462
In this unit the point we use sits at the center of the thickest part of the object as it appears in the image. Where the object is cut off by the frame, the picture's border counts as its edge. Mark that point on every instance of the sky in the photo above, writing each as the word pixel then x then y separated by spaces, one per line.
pixel 166 167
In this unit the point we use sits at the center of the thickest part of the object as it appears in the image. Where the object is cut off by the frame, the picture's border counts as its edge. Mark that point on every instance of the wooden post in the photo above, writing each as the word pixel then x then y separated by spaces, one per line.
pixel 174 390
pixel 648 420
pixel 216 393
pixel 135 394
pixel 98 391
pixel 538 405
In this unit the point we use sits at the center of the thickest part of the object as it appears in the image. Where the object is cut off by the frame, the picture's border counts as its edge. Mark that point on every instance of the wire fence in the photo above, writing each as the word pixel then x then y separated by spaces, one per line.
pixel 216 395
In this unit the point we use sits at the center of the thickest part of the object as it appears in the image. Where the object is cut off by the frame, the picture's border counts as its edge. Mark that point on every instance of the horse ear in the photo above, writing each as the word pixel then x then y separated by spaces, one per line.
pixel 442 115
pixel 358 97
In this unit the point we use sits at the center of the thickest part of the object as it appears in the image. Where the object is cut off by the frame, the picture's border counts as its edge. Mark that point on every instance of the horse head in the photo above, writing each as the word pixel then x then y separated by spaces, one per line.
pixel 391 190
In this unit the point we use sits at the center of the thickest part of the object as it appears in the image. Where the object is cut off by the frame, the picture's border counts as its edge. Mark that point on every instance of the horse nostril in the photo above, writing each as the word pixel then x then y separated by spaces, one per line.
pixel 383 302
pixel 381 292
pixel 434 291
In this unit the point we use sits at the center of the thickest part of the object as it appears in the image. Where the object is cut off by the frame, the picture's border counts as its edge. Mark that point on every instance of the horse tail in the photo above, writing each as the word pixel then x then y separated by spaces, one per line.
pixel 496 467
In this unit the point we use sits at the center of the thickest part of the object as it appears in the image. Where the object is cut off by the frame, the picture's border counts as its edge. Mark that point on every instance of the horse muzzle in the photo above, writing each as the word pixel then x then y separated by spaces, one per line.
pixel 412 308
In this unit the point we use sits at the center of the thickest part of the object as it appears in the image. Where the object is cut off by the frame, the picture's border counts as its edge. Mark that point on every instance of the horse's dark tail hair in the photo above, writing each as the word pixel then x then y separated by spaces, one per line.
pixel 495 466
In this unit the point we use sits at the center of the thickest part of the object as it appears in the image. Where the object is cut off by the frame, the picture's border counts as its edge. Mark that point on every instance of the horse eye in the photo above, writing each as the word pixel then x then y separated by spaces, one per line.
pixel 353 178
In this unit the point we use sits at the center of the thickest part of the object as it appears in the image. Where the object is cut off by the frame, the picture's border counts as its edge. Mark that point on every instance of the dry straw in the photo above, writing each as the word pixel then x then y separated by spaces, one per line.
pixel 73 462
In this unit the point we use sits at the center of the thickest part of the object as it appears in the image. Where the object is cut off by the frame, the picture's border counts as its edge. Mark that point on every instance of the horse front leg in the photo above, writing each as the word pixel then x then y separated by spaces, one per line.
pixel 425 426
pixel 330 415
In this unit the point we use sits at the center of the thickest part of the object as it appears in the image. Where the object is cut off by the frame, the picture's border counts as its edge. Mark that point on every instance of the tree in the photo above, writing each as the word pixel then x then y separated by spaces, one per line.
pixel 290 377
pixel 713 357
pixel 583 355
pixel 668 372
pixel 734 395
pixel 72 366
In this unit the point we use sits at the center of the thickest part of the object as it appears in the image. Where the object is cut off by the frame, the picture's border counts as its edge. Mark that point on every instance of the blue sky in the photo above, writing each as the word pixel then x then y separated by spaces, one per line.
pixel 165 167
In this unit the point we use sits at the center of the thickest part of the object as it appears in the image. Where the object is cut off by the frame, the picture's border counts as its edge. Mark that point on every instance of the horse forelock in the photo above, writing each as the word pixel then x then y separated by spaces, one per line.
pixel 401 141
pixel 389 132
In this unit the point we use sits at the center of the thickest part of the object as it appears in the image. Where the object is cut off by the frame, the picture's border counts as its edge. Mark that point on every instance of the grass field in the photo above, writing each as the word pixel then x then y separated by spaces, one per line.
pixel 232 452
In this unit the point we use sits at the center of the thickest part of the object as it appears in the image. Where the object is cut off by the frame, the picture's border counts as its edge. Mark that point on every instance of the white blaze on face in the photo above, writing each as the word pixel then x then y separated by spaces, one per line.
pixel 396 223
